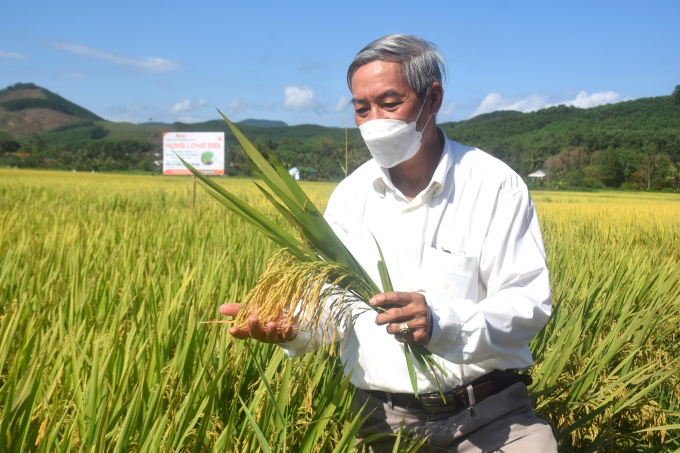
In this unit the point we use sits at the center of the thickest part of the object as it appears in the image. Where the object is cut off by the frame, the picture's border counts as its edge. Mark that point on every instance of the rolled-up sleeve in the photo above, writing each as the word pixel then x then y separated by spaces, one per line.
pixel 512 266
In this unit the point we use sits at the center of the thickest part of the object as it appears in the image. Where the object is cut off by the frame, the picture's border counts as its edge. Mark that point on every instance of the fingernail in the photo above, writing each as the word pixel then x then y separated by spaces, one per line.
pixel 372 301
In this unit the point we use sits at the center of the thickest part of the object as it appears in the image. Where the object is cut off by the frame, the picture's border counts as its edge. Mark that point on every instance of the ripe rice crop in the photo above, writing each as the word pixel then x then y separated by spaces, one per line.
pixel 104 280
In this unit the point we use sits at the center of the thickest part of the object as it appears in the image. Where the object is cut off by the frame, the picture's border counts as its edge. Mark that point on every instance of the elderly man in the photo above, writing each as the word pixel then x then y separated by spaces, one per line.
pixel 464 249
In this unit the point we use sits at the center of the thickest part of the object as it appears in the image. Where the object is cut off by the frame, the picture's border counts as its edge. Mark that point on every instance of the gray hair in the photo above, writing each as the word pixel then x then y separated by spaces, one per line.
pixel 422 62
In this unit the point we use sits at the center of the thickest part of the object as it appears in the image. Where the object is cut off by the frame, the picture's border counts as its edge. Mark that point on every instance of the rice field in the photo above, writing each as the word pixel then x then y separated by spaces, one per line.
pixel 104 280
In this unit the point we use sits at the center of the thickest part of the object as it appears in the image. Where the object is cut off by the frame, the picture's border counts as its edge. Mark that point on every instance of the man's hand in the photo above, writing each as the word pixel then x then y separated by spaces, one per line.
pixel 269 334
pixel 411 309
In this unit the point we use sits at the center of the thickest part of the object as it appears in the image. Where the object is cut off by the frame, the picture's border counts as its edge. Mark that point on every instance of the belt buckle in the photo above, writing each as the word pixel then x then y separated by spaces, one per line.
pixel 433 402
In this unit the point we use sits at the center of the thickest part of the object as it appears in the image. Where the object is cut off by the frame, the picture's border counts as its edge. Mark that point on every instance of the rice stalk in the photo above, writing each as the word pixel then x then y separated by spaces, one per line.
pixel 295 292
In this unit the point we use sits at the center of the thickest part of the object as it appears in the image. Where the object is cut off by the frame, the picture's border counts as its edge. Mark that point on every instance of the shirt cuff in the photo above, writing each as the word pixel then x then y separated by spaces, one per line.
pixel 297 346
pixel 445 329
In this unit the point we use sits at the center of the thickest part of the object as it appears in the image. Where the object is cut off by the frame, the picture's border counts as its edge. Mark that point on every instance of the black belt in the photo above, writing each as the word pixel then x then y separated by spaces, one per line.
pixel 463 396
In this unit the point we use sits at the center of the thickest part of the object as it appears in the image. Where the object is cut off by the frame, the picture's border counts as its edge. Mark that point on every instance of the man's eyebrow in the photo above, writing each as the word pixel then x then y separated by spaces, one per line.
pixel 380 96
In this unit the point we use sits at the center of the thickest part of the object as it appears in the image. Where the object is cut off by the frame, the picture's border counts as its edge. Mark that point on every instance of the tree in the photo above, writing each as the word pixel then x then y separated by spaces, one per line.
pixel 663 174
pixel 630 159
pixel 675 97
pixel 611 168
pixel 674 174
pixel 264 144
pixel 648 162
pixel 535 160
pixel 9 146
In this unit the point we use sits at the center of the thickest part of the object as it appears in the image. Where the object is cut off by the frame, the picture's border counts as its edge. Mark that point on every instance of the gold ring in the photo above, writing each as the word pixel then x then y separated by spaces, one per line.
pixel 403 328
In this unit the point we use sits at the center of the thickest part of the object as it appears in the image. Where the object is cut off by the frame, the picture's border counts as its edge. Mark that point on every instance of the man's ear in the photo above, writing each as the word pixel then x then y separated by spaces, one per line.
pixel 436 97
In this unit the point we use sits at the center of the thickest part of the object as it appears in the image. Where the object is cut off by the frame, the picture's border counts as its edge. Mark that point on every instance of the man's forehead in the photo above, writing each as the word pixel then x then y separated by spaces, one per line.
pixel 381 95
pixel 379 78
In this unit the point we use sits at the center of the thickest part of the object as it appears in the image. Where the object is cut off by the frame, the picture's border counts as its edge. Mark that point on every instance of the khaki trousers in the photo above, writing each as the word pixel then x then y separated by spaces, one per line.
pixel 504 422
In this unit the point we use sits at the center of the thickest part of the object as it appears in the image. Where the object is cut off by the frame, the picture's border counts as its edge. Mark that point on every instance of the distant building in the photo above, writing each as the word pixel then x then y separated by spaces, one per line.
pixel 299 173
pixel 544 175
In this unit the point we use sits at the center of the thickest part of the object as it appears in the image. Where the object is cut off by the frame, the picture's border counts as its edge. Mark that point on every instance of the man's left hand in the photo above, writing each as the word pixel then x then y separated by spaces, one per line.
pixel 410 308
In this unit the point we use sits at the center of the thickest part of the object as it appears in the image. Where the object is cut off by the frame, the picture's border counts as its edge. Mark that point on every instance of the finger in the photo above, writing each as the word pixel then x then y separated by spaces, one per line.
pixel 289 332
pixel 394 315
pixel 419 337
pixel 239 333
pixel 418 323
pixel 230 309
pixel 256 330
pixel 408 338
pixel 394 298
pixel 272 332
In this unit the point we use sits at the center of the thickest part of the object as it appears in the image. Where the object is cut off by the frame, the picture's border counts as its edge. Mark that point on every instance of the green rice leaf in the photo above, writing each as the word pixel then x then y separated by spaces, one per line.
pixel 419 358
pixel 411 369
pixel 294 187
pixel 428 357
pixel 382 269
pixel 257 158
pixel 284 212
pixel 266 384
pixel 258 432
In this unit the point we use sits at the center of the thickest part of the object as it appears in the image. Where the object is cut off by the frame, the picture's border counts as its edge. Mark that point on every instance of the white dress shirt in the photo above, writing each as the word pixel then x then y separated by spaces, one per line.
pixel 471 240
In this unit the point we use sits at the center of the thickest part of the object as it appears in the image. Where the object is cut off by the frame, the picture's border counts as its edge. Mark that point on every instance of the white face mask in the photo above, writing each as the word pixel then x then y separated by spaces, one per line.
pixel 392 142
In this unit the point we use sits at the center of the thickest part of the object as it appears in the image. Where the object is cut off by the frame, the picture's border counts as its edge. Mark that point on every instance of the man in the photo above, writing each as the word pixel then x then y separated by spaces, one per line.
pixel 464 250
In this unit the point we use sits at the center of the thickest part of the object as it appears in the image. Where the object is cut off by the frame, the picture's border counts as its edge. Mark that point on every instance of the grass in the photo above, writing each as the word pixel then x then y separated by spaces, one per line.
pixel 104 279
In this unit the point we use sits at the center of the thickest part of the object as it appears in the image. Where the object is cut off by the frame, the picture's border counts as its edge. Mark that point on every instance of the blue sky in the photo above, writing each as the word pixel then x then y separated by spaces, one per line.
pixel 176 61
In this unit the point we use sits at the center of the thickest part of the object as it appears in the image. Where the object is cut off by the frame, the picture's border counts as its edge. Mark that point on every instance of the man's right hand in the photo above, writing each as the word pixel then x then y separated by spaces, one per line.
pixel 269 334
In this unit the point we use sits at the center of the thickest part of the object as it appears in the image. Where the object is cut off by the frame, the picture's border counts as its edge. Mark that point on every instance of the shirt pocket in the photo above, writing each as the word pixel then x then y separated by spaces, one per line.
pixel 449 276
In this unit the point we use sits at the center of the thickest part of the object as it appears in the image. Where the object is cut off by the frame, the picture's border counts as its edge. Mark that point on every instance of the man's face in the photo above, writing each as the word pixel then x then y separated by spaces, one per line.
pixel 380 91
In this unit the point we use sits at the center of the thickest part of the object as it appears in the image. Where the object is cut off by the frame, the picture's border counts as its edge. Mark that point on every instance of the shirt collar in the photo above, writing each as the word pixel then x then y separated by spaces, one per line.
pixel 382 180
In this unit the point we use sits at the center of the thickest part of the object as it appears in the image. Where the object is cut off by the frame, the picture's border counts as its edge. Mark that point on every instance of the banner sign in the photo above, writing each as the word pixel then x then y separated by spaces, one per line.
pixel 202 150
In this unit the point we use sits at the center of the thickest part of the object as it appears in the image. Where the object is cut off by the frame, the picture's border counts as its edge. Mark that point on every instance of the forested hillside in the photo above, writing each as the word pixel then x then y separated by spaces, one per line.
pixel 626 125
pixel 26 108
pixel 634 143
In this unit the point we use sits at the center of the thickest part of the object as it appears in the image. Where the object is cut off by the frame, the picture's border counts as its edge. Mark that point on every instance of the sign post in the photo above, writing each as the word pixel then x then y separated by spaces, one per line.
pixel 202 150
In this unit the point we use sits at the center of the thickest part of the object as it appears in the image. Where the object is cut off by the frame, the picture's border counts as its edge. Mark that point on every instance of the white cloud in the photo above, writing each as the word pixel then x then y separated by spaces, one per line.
pixel 585 101
pixel 158 65
pixel 343 103
pixel 301 98
pixel 17 56
pixel 188 119
pixel 189 105
pixel 494 101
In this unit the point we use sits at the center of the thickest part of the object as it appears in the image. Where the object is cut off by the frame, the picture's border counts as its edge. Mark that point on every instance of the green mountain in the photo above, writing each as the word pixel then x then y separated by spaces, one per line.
pixel 303 132
pixel 266 123
pixel 155 123
pixel 636 142
pixel 26 108
pixel 624 126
